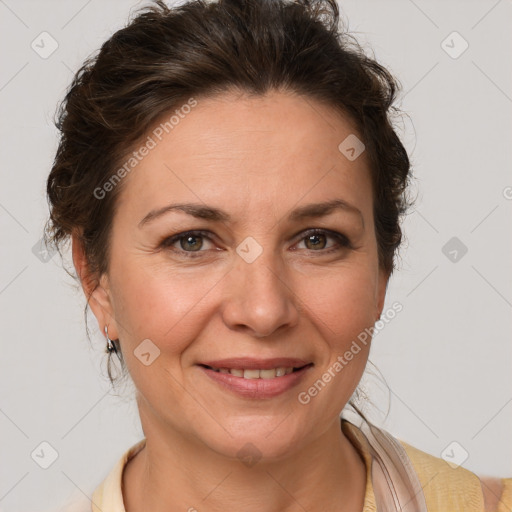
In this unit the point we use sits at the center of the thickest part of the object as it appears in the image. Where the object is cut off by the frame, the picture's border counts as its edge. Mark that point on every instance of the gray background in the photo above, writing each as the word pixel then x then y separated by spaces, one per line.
pixel 446 357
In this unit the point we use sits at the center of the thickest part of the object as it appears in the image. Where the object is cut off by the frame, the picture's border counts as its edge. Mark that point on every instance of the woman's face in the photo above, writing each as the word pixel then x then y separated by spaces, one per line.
pixel 253 282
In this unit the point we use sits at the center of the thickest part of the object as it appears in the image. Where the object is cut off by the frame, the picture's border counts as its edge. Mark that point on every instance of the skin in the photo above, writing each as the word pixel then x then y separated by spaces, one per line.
pixel 257 159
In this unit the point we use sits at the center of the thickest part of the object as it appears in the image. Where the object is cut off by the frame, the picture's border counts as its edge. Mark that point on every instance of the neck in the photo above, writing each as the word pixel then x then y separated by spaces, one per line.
pixel 171 473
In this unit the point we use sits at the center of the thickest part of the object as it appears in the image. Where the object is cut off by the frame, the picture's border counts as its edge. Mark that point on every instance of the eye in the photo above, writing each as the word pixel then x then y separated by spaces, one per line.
pixel 316 240
pixel 187 243
pixel 191 244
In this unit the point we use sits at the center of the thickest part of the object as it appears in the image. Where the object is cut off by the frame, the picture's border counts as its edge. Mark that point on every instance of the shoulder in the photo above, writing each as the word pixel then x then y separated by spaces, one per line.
pixel 450 487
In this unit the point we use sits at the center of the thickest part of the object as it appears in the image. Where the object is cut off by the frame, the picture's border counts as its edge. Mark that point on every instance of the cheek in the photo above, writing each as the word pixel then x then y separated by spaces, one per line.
pixel 172 311
pixel 169 308
pixel 342 304
pixel 341 307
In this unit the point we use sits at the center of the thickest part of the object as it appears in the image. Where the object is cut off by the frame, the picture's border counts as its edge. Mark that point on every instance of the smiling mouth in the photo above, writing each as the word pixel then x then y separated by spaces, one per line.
pixel 246 373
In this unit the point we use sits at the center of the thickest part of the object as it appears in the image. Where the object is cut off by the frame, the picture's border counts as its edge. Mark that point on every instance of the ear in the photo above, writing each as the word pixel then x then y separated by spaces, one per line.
pixel 382 285
pixel 96 291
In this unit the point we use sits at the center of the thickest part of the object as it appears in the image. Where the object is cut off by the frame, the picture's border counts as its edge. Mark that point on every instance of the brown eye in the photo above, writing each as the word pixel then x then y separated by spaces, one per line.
pixel 324 241
pixel 315 241
pixel 191 242
pixel 188 244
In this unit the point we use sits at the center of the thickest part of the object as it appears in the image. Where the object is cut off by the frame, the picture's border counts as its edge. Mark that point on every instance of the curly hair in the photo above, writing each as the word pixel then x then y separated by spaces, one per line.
pixel 203 48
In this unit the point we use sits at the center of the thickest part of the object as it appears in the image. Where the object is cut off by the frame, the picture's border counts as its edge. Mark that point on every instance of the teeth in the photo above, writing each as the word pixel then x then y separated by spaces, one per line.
pixel 267 374
pixel 257 374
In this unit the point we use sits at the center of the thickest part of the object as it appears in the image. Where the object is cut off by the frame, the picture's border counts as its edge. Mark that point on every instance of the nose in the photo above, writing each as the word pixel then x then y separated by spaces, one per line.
pixel 258 300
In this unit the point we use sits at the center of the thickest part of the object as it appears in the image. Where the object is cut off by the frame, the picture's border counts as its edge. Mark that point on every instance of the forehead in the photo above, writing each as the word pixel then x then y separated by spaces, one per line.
pixel 269 152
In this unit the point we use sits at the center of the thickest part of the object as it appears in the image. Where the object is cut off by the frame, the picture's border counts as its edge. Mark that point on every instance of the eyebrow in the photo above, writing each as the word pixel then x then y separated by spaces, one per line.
pixel 201 211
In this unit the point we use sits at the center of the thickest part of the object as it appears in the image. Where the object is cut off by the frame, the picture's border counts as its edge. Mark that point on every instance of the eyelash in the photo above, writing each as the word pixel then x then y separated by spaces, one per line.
pixel 342 241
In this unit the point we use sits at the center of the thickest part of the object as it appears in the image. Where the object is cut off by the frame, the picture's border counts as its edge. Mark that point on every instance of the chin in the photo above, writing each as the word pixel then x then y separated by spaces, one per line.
pixel 252 440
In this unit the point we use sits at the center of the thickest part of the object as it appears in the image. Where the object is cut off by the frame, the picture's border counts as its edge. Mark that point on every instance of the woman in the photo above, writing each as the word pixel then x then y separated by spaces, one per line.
pixel 233 189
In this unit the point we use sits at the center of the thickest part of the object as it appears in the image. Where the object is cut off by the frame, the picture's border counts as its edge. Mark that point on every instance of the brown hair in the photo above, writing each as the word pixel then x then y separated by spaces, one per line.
pixel 201 48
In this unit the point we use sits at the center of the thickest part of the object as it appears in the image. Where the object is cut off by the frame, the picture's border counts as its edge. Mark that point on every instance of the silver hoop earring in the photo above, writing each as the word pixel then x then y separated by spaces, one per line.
pixel 110 344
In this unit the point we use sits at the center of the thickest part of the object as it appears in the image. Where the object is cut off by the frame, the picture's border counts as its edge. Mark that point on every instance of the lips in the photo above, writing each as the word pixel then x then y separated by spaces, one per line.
pixel 256 378
pixel 269 373
pixel 247 363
